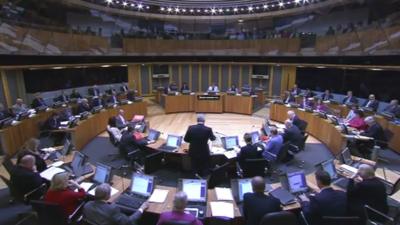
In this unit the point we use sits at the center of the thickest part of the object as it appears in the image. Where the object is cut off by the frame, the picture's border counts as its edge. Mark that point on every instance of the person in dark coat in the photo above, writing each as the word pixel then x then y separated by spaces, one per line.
pixel 199 152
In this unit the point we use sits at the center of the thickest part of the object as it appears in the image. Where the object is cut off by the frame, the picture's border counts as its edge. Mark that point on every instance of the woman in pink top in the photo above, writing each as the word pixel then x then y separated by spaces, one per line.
pixel 358 121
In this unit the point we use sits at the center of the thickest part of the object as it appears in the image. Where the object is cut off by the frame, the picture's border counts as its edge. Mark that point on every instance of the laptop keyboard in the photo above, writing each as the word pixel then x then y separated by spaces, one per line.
pixel 130 201
pixel 167 148
pixel 201 206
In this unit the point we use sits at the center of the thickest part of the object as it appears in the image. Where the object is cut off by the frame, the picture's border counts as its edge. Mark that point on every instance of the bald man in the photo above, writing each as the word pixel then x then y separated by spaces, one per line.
pixel 25 178
pixel 372 103
pixel 393 108
pixel 257 204
pixel 366 189
pixel 19 107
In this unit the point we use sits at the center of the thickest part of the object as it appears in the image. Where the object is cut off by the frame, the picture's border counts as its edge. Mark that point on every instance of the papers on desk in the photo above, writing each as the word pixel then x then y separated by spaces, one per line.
pixel 224 194
pixel 223 209
pixel 57 164
pixel 280 126
pixel 50 172
pixel 50 149
pixel 113 191
pixel 64 123
pixel 348 168
pixel 217 150
pixel 158 196
pixel 230 154
pixel 86 186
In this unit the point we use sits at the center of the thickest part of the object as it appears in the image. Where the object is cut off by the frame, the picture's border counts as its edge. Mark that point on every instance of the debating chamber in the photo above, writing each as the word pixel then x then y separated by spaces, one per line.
pixel 199 112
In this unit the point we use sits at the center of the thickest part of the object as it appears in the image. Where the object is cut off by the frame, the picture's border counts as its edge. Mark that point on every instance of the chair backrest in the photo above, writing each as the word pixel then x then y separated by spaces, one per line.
pixel 112 138
pixel 177 222
pixel 13 192
pixel 396 187
pixel 49 213
pixel 283 154
pixel 8 164
pixel 279 218
pixel 218 175
pixel 376 217
pixel 254 167
pixel 342 220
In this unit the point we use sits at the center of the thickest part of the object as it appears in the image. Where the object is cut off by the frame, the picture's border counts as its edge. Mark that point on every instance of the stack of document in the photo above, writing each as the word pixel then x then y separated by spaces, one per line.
pixel 224 194
pixel 230 154
pixel 222 209
pixel 158 196
pixel 49 173
pixel 113 191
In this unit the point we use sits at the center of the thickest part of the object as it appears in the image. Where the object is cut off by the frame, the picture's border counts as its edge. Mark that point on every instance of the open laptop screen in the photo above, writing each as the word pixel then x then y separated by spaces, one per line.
pixel 173 141
pixel 102 174
pixel 329 167
pixel 244 186
pixel 142 184
pixel 153 135
pixel 77 162
pixel 255 137
pixel 230 142
pixel 196 190
pixel 297 182
pixel 346 157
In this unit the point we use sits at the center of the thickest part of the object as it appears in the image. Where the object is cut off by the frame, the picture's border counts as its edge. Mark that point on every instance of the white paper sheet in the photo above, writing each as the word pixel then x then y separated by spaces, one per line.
pixel 223 209
pixel 50 172
pixel 113 191
pixel 224 194
pixel 158 196
pixel 86 185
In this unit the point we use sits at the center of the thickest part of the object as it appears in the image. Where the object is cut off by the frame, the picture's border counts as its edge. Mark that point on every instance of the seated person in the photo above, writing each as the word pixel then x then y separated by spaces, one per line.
pixel 38 101
pixel 4 113
pixel 75 94
pixel 113 129
pixel 172 87
pixel 295 90
pixel 247 88
pixel 120 119
pixel 53 123
pixel 274 145
pixel 326 96
pixel 62 192
pixel 31 147
pixel 257 204
pixel 358 121
pixel 94 91
pixel 292 134
pixel 110 90
pixel 350 99
pixel 124 88
pixel 289 98
pixel 24 177
pixel 101 212
pixel 213 88
pixel 129 142
pixel 374 130
pixel 113 98
pixel 84 106
pixel 185 87
pixel 351 113
pixel 308 93
pixel 233 88
pixel 19 107
pixel 299 123
pixel 366 189
pixel 178 213
pixel 66 114
pixel 393 108
pixel 247 152
pixel 321 106
pixel 328 202
pixel 99 101
pixel 305 103
pixel 62 98
pixel 372 103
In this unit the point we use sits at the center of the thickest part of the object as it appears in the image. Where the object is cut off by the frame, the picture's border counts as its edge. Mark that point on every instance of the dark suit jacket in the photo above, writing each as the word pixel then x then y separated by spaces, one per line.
pixel 353 100
pixel 197 136
pixel 124 88
pixel 75 95
pixel 4 114
pixel 38 102
pixel 62 98
pixel 40 163
pixel 24 181
pixel 324 97
pixel 256 205
pixel 376 132
pixel 98 101
pixel 295 91
pixel 247 152
pixel 83 108
pixel 374 105
pixel 299 123
pixel 293 135
pixel 130 95
pixel 395 110
pixel 119 122
pixel 328 202
pixel 370 192
pixel 53 123
pixel 94 91
pixel 103 213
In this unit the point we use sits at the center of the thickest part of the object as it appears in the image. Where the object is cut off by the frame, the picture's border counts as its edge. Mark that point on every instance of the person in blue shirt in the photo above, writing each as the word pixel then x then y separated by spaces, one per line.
pixel 274 145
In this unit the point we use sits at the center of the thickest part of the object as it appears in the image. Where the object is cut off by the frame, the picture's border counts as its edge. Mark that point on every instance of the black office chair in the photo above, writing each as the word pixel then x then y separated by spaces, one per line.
pixel 15 195
pixel 254 167
pixel 113 140
pixel 51 214
pixel 293 150
pixel 154 162
pixel 8 164
pixel 279 218
pixel 342 220
pixel 375 217
pixel 283 156
pixel 218 175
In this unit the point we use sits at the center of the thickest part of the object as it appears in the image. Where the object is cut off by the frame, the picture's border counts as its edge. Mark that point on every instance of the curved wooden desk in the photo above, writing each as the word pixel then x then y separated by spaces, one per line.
pixel 320 128
pixel 208 103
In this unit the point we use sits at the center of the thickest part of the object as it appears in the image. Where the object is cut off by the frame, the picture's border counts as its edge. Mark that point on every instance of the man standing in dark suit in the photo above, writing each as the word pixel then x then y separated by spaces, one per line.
pixel 365 189
pixel 350 99
pixel 257 204
pixel 371 103
pixel 199 152
pixel 101 212
pixel 327 202
pixel 292 134
pixel 247 152
pixel 25 178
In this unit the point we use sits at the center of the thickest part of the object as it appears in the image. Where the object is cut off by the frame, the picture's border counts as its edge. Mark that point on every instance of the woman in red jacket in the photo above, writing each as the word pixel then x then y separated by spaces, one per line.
pixel 358 121
pixel 61 192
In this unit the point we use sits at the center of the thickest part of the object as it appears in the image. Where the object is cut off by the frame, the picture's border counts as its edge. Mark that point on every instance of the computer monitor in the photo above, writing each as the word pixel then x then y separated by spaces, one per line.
pixel 77 163
pixel 344 129
pixel 346 156
pixel 267 130
pixel 329 167
pixel 255 137
pixel 174 140
pixel 102 174
pixel 142 184
pixel 230 142
pixel 297 182
pixel 244 186
pixel 196 190
pixel 153 135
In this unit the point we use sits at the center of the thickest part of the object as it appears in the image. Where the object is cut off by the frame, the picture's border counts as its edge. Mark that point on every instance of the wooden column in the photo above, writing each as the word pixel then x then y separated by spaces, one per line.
pixel 134 78
pixel 6 89
pixel 288 77
pixel 271 80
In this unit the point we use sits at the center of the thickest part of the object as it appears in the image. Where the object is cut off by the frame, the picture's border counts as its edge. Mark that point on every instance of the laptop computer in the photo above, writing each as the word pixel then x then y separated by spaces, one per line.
pixel 255 137
pixel 139 191
pixel 242 186
pixel 101 175
pixel 295 182
pixel 172 144
pixel 152 136
pixel 329 167
pixel 230 142
pixel 196 191
pixel 79 165
pixel 346 158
